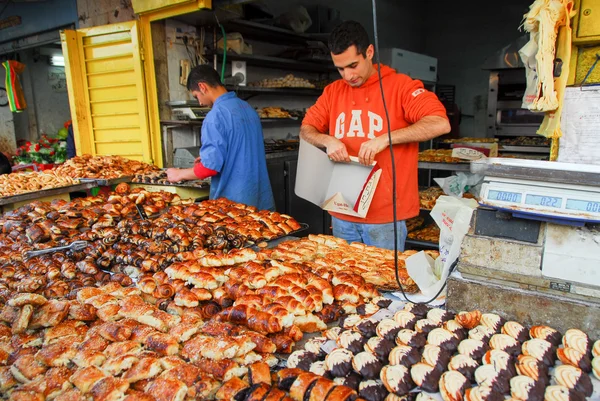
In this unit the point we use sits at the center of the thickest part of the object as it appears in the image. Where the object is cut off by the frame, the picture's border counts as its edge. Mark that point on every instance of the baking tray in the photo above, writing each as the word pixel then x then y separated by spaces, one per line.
pixel 537 170
pixel 46 192
pixel 275 241
pixel 198 184
pixel 525 149
pixel 107 181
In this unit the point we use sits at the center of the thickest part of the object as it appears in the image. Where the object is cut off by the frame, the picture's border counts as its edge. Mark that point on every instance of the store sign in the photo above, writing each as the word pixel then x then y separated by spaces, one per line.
pixel 10 22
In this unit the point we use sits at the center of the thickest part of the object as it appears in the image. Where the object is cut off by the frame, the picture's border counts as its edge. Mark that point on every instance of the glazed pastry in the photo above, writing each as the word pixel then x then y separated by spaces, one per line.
pixel 481 333
pixel 320 389
pixel 286 377
pixel 234 389
pixel 474 349
pixel 501 361
pixel 573 378
pixel 426 377
pixel 469 320
pixel 435 356
pixel 367 365
pixel 352 341
pixel 379 347
pixel 596 367
pixel 545 333
pixel 526 389
pixel 516 331
pixel 463 364
pixel 419 310
pixel 443 338
pixel 562 393
pixel 301 359
pixel 438 316
pixel 483 393
pixel 302 385
pixel 455 328
pixel 486 375
pixel 341 393
pixel 453 386
pixel 367 328
pixel 339 362
pixel 410 338
pixel 527 365
pixel 571 356
pixel 492 321
pixel 259 372
pixel 388 329
pixel 372 390
pixel 405 319
pixel 425 326
pixel 404 355
pixel 397 379
pixel 541 350
pixel 506 343
pixel 596 349
pixel 578 340
pixel 352 380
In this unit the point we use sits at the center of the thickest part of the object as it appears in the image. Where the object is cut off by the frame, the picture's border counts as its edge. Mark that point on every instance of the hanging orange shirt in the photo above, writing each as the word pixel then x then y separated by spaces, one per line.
pixel 356 115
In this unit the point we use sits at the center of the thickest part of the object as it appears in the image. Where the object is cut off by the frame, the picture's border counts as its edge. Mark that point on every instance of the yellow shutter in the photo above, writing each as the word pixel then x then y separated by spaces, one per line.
pixel 106 89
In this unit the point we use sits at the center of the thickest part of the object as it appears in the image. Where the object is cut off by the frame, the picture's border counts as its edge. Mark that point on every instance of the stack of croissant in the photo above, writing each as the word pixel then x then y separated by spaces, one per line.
pixel 105 167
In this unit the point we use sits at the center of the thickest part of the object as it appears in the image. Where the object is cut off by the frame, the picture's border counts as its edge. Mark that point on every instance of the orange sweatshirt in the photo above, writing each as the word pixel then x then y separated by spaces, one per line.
pixel 356 115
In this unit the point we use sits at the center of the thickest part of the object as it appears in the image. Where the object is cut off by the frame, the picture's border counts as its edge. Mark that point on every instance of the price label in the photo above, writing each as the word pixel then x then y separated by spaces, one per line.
pixel 583 206
pixel 540 200
pixel 504 196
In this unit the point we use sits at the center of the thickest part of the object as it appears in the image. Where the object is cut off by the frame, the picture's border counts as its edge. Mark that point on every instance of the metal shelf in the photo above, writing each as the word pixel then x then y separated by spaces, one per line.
pixel 254 90
pixel 445 166
pixel 524 149
pixel 257 31
pixel 422 244
pixel 277 62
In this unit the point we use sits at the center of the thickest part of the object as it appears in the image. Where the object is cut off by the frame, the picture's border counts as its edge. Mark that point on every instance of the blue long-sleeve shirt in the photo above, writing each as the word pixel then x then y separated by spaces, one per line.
pixel 232 145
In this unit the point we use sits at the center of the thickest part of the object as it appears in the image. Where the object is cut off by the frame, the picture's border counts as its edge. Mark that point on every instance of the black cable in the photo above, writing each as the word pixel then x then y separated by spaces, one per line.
pixel 5 7
pixel 394 189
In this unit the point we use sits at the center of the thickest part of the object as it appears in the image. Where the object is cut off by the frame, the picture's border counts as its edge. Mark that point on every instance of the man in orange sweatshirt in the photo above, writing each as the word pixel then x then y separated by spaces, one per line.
pixel 348 119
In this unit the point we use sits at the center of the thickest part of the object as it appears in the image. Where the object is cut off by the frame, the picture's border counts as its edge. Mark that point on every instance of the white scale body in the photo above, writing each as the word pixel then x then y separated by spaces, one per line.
pixel 571 249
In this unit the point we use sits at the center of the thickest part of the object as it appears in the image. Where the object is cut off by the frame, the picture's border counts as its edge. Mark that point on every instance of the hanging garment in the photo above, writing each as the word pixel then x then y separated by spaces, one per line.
pixel 16 97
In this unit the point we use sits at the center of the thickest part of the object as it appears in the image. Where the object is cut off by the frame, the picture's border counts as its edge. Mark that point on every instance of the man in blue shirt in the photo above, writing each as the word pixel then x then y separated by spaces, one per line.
pixel 232 151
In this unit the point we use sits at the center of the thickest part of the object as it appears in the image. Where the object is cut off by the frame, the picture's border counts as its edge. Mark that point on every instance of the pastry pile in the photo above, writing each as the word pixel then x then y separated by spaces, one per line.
pixel 289 81
pixel 385 354
pixel 103 167
pixel 160 178
pixel 429 196
pixel 19 183
pixel 273 112
pixel 438 156
pixel 430 233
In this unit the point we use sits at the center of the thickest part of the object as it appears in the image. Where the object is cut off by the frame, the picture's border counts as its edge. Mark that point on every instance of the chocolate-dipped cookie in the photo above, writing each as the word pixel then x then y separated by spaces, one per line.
pixel 578 340
pixel 436 357
pixel 388 329
pixel 425 326
pixel 465 365
pixel 505 343
pixel 453 385
pixel 596 349
pixel 443 338
pixel 367 309
pixel 367 365
pixel 405 319
pixel 526 389
pixel 352 380
pixel 455 328
pixel 468 320
pixel 472 348
pixel 314 345
pixel 596 367
pixel 352 341
pixel 319 368
pixel 501 361
pixel 492 321
pixel 571 356
pixel 562 393
pixel 483 393
pixel 339 362
pixel 397 379
pixel 372 390
pixel 573 378
pixel 481 333
pixel 486 375
pixel 348 322
pixel 439 316
pixel 382 302
pixel 332 333
pixel 367 328
pixel 301 359
pixel 528 365
pixel 516 331
pixel 541 350
pixel 404 355
pixel 545 333
pixel 380 347
pixel 411 338
pixel 419 310
pixel 425 376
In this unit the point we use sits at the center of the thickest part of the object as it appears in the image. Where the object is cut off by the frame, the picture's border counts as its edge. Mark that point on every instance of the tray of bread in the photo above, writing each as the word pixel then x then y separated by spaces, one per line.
pixel 104 168
pixel 439 156
pixel 160 178
pixel 430 233
pixel 288 81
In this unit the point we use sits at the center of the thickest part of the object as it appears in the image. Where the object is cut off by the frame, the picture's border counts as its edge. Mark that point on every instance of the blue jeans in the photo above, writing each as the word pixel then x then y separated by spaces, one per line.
pixel 379 235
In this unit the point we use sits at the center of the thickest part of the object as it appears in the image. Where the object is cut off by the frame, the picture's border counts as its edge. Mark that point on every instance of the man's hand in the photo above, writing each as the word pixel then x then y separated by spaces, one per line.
pixel 336 150
pixel 174 174
pixel 370 149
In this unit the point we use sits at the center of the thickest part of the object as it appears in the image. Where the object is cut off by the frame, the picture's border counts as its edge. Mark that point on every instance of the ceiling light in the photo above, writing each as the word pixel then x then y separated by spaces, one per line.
pixel 58 61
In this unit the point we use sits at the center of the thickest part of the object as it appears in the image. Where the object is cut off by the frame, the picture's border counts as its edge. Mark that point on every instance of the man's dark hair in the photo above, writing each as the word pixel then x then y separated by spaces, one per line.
pixel 203 74
pixel 346 34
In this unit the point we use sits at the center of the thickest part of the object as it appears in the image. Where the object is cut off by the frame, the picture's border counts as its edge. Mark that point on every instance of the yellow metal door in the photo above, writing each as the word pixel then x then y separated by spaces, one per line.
pixel 107 94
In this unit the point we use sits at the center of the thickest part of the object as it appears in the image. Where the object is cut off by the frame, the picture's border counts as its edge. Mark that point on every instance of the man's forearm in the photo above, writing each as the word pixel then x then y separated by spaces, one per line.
pixel 427 128
pixel 314 137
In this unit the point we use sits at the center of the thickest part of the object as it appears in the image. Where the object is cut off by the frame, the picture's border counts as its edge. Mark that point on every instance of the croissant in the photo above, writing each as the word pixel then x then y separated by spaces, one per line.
pixel 147 284
pixel 202 294
pixel 283 343
pixel 264 323
pixel 186 298
pixel 164 291
pixel 209 310
pixel 87 266
pixel 58 289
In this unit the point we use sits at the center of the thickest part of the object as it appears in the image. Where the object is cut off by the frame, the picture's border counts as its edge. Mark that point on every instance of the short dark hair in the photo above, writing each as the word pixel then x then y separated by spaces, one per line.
pixel 203 74
pixel 346 34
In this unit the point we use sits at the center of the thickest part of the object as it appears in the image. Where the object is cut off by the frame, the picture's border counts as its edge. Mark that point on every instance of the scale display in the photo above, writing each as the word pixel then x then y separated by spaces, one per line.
pixel 540 200
pixel 504 196
pixel 583 206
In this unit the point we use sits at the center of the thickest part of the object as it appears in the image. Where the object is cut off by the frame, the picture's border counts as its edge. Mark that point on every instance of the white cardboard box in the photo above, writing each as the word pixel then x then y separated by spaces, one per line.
pixel 346 188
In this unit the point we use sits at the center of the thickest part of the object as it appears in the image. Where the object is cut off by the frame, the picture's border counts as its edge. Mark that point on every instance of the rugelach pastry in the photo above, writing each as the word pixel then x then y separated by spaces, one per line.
pixel 468 320
pixel 453 386
pixel 302 385
pixel 545 333
pixel 397 379
pixel 516 331
pixel 571 356
pixel 425 376
pixel 388 329
pixel 404 355
pixel 257 392
pixel 234 389
pixel 342 393
pixel 474 349
pixel 284 378
pixel 367 365
pixel 541 350
pixel 339 362
pixel 372 390
pixel 321 389
pixel 259 372
pixel 465 365
pixel 573 378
